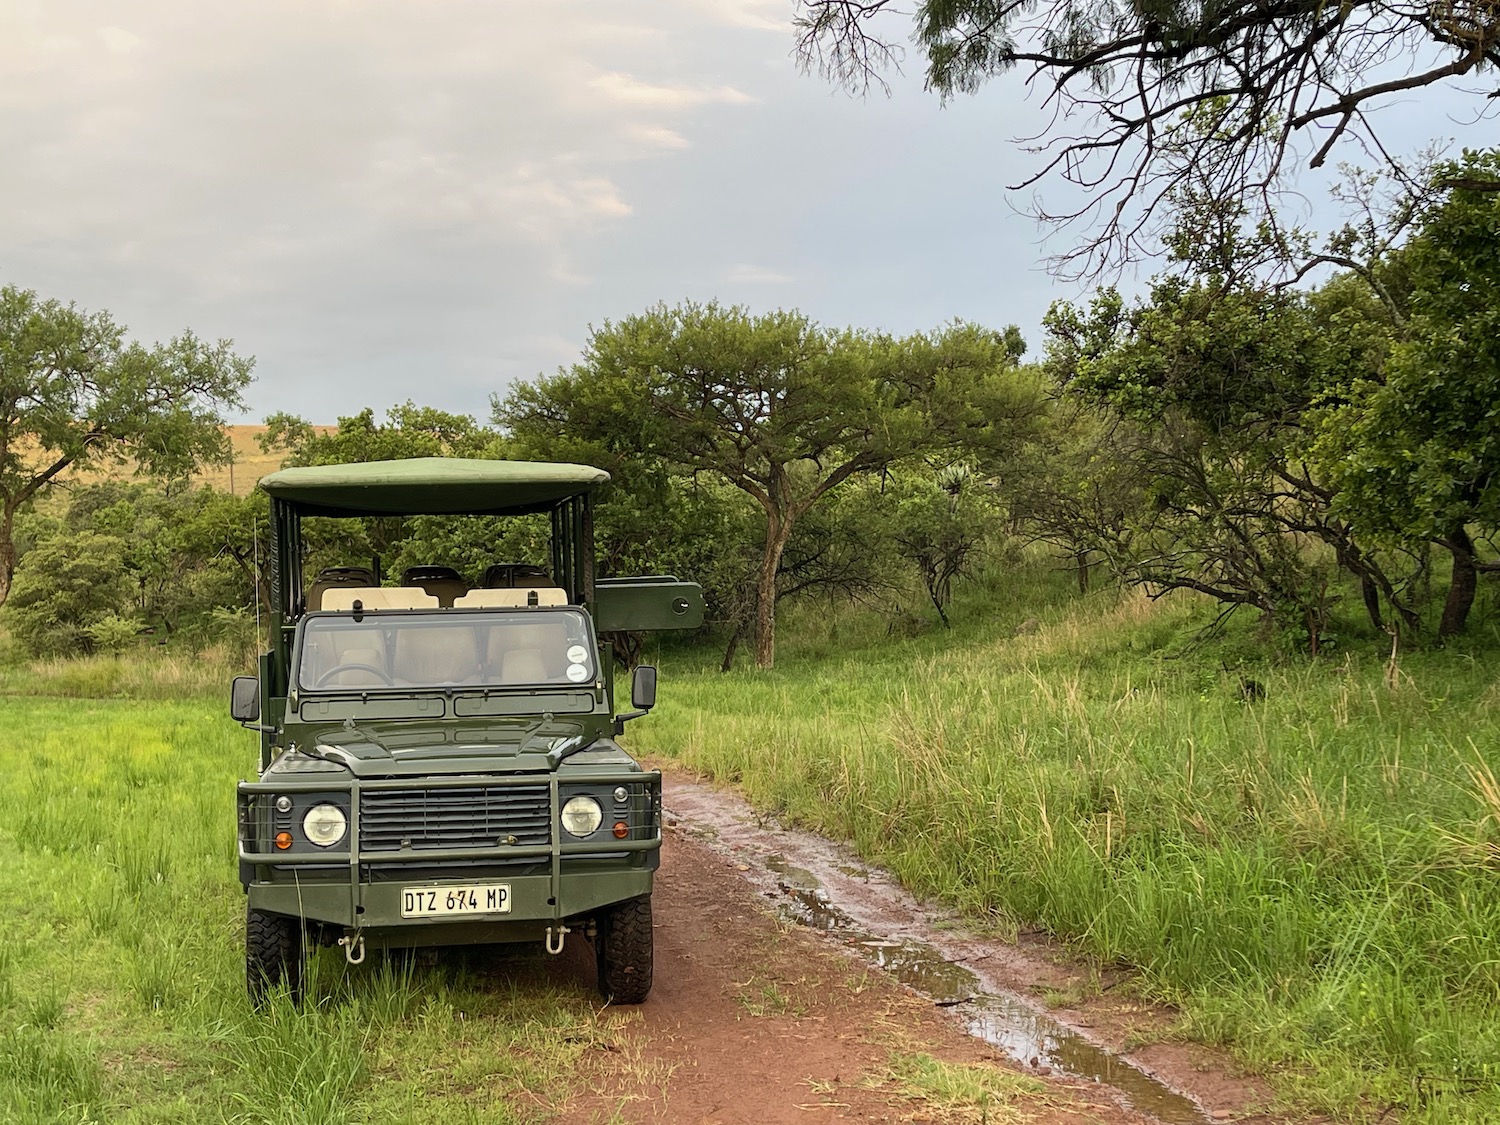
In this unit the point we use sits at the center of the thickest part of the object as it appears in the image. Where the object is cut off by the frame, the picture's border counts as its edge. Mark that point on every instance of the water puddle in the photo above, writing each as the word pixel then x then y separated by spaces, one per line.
pixel 813 883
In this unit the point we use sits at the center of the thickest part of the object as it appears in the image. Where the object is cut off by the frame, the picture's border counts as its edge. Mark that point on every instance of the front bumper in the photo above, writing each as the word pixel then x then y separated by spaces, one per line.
pixel 551 882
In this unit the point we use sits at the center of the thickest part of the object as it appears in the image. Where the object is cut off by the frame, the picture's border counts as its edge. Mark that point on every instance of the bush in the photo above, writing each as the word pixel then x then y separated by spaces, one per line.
pixel 112 633
pixel 64 585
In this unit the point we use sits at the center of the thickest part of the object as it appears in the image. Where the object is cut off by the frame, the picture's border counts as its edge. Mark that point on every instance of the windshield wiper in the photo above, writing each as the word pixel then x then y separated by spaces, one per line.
pixel 575 745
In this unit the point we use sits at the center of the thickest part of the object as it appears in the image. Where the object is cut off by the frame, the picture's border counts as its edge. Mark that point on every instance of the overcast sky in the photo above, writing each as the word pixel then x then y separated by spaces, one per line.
pixel 430 199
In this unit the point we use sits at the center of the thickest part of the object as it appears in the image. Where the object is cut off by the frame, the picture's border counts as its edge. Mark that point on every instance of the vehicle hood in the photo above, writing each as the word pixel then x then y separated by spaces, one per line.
pixel 376 750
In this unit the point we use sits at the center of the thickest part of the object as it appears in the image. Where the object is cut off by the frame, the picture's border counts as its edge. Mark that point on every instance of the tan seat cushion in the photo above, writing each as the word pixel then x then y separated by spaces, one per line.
pixel 523 666
pixel 528 653
pixel 353 675
pixel 379 597
pixel 510 599
pixel 436 656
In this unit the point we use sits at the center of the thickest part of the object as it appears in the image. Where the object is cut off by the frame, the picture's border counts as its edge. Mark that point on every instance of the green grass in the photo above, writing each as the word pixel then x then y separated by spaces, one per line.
pixel 1313 876
pixel 973 1092
pixel 121 952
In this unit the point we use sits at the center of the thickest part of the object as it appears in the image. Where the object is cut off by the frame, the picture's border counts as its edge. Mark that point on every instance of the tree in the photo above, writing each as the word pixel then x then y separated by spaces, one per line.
pixel 74 392
pixel 1415 449
pixel 939 519
pixel 1154 95
pixel 71 581
pixel 775 405
pixel 409 431
pixel 1214 394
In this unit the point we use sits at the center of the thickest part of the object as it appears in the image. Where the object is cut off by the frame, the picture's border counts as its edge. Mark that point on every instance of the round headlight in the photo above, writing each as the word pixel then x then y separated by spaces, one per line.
pixel 325 825
pixel 582 815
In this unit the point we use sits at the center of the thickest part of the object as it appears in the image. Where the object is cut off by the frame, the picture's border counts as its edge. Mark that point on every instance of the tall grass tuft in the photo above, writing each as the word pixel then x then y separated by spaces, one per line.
pixel 1309 869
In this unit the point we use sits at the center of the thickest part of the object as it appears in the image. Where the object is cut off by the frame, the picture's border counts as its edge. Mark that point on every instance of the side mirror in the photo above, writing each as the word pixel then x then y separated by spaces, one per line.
pixel 642 696
pixel 244 699
pixel 643 688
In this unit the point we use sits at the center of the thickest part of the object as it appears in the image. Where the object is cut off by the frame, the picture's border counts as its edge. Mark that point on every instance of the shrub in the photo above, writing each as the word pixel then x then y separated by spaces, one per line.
pixel 112 633
pixel 64 585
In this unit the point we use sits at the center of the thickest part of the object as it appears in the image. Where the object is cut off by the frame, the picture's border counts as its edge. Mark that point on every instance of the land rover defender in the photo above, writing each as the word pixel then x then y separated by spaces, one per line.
pixel 438 763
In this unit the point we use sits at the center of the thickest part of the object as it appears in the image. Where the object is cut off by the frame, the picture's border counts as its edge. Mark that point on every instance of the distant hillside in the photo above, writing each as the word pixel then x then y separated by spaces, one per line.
pixel 247 467
pixel 249 463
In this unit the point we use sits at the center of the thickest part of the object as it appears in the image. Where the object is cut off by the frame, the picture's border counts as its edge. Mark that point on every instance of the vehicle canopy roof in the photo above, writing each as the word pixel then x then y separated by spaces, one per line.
pixel 431 486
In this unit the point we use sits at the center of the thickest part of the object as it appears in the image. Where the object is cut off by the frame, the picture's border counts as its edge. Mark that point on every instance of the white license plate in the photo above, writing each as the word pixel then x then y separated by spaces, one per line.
pixel 445 902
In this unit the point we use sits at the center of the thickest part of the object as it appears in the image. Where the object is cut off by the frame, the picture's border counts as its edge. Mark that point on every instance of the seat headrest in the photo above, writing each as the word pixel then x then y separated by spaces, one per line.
pixel 416 575
pixel 502 575
pixel 510 599
pixel 378 597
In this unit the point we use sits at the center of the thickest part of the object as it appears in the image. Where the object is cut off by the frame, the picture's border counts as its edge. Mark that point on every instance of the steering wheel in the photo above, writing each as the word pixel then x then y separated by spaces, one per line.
pixel 337 668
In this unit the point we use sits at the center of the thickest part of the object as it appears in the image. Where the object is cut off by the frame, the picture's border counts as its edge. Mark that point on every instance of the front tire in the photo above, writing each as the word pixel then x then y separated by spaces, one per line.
pixel 623 946
pixel 275 954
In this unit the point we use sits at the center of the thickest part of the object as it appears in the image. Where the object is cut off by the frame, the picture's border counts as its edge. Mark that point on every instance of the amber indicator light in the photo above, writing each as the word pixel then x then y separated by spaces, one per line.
pixel 621 830
pixel 283 840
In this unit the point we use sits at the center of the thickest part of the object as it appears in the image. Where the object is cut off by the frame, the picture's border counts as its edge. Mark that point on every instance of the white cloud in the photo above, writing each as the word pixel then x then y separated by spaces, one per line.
pixel 656 136
pixel 758 15
pixel 118 41
pixel 746 274
pixel 632 91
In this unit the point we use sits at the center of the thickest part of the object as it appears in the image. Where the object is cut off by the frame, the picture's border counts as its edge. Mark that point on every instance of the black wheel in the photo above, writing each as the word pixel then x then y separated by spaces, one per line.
pixel 274 954
pixel 623 946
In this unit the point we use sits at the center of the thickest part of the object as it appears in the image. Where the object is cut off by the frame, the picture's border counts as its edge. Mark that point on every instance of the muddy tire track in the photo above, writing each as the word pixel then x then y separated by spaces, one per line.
pixel 757 1018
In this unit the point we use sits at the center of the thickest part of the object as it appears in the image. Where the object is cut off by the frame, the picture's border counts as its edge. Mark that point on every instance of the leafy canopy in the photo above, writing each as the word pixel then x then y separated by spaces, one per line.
pixel 75 392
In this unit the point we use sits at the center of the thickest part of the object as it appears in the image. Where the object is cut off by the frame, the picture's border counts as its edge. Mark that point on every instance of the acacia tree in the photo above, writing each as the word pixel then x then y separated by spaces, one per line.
pixel 777 406
pixel 1210 400
pixel 1144 98
pixel 1415 449
pixel 74 392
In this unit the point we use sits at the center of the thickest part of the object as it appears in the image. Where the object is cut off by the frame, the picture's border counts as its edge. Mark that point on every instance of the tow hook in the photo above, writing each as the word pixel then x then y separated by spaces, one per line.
pixel 562 933
pixel 354 947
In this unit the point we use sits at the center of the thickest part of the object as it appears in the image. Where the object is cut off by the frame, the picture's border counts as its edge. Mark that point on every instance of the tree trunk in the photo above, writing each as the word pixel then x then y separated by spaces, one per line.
pixel 7 560
pixel 937 602
pixel 1461 589
pixel 778 531
pixel 730 649
pixel 1371 594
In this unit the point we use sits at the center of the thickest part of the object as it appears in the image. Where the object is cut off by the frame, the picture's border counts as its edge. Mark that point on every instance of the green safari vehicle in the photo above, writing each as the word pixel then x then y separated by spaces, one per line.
pixel 438 763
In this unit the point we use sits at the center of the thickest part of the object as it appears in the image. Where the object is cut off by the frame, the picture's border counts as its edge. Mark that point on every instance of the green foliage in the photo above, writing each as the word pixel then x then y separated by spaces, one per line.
pixel 937 521
pixel 394 543
pixel 68 583
pixel 774 405
pixel 1415 451
pixel 112 633
pixel 127 555
pixel 76 392
pixel 410 431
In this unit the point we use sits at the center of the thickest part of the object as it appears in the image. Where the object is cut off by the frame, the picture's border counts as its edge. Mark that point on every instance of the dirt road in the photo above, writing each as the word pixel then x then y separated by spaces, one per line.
pixel 755 1019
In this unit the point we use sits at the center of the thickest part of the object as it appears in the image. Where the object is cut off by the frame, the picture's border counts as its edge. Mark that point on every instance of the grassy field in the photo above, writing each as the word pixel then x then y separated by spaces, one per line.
pixel 1309 865
pixel 121 945
pixel 246 466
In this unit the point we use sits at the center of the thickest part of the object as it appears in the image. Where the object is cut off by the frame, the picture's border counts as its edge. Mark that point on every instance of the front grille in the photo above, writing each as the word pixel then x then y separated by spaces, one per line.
pixel 478 817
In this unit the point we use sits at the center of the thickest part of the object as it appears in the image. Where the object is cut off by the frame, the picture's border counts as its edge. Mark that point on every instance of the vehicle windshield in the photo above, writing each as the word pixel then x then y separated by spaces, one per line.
pixel 446 649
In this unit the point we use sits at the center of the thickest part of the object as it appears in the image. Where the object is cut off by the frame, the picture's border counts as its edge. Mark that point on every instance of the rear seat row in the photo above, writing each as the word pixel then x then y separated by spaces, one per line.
pixel 414 597
pixel 427 587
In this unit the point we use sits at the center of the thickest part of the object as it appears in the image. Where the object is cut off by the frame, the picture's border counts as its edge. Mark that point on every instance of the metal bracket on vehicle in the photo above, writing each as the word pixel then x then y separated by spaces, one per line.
pixel 562 933
pixel 354 947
